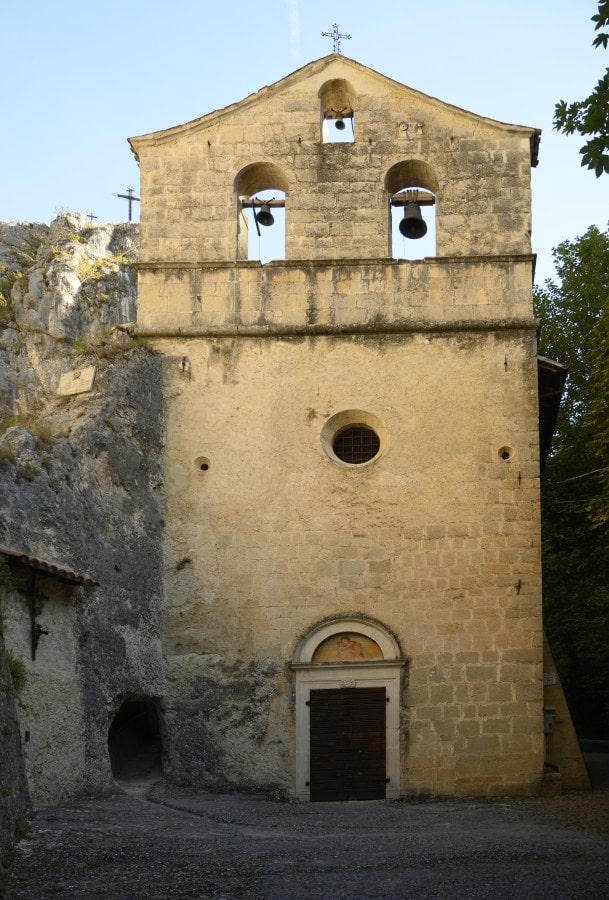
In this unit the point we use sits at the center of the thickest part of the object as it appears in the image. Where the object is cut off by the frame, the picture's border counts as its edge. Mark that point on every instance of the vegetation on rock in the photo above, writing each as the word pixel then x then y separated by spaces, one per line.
pixel 21 256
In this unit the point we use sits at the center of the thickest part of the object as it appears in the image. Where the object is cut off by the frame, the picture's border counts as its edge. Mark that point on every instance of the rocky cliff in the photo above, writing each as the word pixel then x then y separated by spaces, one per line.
pixel 79 487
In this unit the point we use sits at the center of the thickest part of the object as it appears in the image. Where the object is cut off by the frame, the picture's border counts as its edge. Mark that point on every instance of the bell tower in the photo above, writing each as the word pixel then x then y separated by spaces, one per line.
pixel 352 450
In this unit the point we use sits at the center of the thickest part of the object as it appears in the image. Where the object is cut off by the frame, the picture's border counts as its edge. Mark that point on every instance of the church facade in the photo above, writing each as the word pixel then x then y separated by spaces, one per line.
pixel 352 568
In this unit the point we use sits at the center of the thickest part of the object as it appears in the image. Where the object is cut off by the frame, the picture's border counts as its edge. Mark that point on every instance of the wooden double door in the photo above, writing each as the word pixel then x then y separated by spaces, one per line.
pixel 348 753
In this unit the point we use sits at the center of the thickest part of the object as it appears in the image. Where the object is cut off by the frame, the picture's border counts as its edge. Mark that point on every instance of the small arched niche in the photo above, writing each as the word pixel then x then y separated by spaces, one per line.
pixel 261 190
pixel 134 741
pixel 412 181
pixel 336 108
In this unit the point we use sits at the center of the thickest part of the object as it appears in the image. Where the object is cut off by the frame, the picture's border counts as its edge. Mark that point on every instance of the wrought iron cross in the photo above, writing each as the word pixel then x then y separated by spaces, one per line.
pixel 36 601
pixel 336 37
pixel 129 196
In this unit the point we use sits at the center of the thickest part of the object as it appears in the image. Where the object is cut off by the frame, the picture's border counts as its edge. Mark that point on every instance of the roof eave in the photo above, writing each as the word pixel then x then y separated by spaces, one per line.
pixel 67 576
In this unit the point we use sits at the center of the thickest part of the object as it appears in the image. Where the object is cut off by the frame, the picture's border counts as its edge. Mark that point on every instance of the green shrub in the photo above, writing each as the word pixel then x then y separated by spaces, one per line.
pixel 22 829
pixel 29 471
pixel 7 456
pixel 17 670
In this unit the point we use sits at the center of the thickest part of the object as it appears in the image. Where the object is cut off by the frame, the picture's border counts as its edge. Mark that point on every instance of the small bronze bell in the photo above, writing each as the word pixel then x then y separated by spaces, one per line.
pixel 265 216
pixel 412 225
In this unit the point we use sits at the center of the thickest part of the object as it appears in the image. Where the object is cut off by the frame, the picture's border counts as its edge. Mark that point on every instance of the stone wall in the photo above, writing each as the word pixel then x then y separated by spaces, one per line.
pixel 192 176
pixel 358 294
pixel 439 539
pixel 436 540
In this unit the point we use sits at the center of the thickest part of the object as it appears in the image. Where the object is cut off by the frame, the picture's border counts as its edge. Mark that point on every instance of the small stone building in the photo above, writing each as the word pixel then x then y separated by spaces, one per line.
pixel 352 556
pixel 42 606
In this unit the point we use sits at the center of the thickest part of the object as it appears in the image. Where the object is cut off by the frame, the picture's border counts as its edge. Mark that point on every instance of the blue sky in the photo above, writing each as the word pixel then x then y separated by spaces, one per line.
pixel 80 78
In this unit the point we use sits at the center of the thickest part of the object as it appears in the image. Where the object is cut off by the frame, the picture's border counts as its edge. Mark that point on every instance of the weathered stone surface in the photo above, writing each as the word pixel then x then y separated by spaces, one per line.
pixel 80 479
pixel 79 283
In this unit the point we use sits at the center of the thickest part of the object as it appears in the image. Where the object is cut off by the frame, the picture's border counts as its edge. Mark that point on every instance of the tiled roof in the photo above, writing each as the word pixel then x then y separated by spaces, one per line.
pixel 40 565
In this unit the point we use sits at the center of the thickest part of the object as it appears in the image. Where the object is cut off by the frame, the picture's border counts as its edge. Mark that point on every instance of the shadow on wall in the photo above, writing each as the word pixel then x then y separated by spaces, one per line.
pixel 134 741
pixel 596 756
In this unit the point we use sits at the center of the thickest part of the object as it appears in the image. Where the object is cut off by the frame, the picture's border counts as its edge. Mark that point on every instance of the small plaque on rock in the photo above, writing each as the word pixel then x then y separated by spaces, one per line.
pixel 78 381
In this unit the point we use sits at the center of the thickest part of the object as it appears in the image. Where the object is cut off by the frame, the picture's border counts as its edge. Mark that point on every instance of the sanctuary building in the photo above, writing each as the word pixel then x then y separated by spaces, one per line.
pixel 352 573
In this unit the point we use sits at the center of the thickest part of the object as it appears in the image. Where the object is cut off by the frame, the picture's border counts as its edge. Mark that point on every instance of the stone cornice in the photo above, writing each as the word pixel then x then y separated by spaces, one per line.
pixel 363 328
pixel 174 265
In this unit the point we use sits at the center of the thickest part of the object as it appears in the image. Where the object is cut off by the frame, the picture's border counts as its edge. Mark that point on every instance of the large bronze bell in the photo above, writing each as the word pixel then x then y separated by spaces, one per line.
pixel 339 124
pixel 264 216
pixel 412 225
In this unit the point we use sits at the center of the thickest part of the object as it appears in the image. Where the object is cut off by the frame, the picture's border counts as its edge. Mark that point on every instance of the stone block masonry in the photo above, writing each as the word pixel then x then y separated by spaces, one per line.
pixel 291 569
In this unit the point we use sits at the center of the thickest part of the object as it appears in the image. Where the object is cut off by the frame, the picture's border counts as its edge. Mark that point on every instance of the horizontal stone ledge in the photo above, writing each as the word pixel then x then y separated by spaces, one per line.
pixel 370 328
pixel 153 265
pixel 350 664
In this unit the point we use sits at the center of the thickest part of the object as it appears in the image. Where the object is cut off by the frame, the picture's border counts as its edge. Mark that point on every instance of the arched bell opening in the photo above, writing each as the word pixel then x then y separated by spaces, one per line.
pixel 412 186
pixel 336 109
pixel 134 741
pixel 261 190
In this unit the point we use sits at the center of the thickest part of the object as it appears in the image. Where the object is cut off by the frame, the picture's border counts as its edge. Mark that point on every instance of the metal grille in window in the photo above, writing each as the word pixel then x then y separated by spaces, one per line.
pixel 356 444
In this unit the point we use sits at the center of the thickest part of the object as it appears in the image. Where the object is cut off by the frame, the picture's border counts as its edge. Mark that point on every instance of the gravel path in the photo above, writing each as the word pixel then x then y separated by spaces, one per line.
pixel 195 845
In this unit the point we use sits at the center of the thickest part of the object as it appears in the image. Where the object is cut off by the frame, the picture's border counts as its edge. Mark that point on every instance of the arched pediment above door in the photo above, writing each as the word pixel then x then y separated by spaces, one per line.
pixel 346 640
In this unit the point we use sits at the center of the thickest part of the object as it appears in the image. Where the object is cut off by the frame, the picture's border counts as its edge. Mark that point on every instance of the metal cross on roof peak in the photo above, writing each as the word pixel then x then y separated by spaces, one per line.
pixel 336 37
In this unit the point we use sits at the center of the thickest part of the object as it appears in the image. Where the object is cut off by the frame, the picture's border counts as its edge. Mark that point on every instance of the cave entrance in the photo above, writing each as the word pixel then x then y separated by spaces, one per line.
pixel 134 742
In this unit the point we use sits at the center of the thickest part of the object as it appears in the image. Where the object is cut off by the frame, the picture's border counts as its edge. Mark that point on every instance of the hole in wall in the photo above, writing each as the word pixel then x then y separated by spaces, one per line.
pixel 505 453
pixel 202 464
pixel 134 742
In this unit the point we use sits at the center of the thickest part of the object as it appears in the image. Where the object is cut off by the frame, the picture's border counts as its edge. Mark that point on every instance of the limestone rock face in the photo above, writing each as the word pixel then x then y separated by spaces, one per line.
pixel 78 284
pixel 79 481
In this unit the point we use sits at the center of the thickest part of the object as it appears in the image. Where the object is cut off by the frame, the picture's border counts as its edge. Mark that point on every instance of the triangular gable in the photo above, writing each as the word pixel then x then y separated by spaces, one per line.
pixel 311 69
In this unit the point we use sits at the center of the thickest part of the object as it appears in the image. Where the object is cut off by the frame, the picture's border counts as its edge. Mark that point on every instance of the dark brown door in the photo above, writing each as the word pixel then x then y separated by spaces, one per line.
pixel 348 744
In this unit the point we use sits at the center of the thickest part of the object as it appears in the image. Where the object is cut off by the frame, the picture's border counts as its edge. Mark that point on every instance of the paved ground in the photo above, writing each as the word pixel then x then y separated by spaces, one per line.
pixel 195 845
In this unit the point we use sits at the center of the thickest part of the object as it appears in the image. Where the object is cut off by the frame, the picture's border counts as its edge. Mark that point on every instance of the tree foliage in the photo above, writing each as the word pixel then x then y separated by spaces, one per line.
pixel 597 419
pixel 574 314
pixel 590 117
pixel 570 310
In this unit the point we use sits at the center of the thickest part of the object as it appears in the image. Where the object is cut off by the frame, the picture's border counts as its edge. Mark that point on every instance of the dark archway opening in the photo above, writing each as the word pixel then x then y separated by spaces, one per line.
pixel 134 741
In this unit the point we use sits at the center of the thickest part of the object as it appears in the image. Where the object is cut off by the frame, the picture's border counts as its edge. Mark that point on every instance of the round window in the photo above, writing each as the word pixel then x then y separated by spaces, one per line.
pixel 354 437
pixel 356 444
